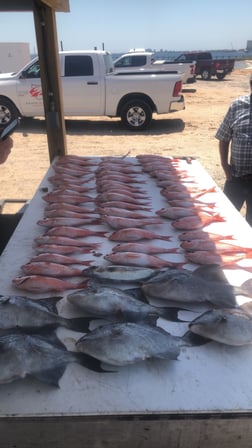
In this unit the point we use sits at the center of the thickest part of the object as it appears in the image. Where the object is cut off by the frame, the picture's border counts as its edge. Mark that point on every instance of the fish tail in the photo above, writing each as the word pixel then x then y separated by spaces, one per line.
pixel 79 324
pixel 171 314
pixel 164 237
pixel 90 363
pixel 194 340
pixel 247 287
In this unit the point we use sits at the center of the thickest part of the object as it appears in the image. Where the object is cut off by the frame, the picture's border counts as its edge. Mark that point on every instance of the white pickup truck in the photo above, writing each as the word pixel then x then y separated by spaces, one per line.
pixel 92 88
pixel 145 61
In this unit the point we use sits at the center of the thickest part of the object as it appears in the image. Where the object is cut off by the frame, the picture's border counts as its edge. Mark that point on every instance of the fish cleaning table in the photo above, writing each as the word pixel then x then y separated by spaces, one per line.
pixel 203 399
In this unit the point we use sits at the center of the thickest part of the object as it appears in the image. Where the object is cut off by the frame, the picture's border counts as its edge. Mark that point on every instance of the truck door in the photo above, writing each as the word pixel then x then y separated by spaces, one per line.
pixel 82 85
pixel 29 91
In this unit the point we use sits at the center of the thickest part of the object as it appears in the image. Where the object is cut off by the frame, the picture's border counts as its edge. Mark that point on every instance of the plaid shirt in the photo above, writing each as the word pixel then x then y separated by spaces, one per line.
pixel 237 128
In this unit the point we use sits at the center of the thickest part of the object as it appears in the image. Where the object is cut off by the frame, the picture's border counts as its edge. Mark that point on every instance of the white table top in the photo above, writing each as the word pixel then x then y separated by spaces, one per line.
pixel 209 378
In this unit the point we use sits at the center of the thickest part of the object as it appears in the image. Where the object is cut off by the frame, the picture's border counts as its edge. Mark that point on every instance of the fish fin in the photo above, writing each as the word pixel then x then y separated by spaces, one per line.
pixel 211 272
pixel 91 363
pixel 247 307
pixel 194 340
pixel 79 324
pixel 50 336
pixel 136 293
pixel 171 314
pixel 50 303
pixel 246 288
pixel 50 376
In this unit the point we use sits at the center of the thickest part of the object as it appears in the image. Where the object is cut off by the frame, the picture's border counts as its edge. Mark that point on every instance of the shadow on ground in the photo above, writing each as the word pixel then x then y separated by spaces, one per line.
pixel 102 127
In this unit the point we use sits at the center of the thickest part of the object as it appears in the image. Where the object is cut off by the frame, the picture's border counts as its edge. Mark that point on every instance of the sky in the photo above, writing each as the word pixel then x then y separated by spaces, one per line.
pixel 119 26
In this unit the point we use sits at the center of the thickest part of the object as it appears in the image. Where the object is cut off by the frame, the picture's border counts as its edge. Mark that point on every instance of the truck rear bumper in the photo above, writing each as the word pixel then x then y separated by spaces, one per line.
pixel 177 105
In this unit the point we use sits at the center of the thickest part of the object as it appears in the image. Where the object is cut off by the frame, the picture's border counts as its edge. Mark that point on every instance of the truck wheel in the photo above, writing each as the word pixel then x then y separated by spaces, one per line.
pixel 220 75
pixel 8 112
pixel 205 74
pixel 136 115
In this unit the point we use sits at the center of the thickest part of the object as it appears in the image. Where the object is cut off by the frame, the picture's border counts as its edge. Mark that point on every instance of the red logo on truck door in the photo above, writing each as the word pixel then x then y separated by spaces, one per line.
pixel 35 91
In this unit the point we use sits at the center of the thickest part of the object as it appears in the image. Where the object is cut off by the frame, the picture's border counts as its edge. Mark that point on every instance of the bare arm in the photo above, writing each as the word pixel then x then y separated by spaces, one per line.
pixel 223 150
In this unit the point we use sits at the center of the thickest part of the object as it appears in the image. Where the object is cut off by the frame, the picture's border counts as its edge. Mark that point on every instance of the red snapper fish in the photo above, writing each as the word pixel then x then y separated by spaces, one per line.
pixel 52 257
pixel 72 179
pixel 185 195
pixel 41 284
pixel 124 205
pixel 121 223
pixel 136 234
pixel 71 207
pixel 190 203
pixel 104 185
pixel 201 234
pixel 121 212
pixel 114 196
pixel 176 212
pixel 61 221
pixel 211 257
pixel 72 171
pixel 61 249
pixel 144 248
pixel 124 178
pixel 217 246
pixel 77 160
pixel 50 268
pixel 74 232
pixel 196 222
pixel 61 212
pixel 64 241
pixel 69 199
pixel 137 259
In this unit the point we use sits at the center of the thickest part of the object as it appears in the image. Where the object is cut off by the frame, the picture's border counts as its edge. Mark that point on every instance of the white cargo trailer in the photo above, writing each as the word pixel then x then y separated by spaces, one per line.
pixel 13 56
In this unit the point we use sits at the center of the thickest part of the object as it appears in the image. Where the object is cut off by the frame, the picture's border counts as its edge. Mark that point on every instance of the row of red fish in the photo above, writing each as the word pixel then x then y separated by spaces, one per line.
pixel 114 193
pixel 191 215
pixel 70 206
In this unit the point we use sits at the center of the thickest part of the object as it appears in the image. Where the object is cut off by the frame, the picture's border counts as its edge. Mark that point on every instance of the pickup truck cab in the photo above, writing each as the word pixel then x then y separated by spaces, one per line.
pixel 206 65
pixel 91 88
pixel 145 61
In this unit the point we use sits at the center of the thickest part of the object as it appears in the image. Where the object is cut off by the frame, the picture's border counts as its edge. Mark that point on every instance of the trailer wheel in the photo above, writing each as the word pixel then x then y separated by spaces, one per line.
pixel 220 75
pixel 136 115
pixel 8 112
pixel 205 74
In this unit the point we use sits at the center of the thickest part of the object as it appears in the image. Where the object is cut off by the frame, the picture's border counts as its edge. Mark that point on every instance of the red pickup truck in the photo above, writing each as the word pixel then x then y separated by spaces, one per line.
pixel 206 65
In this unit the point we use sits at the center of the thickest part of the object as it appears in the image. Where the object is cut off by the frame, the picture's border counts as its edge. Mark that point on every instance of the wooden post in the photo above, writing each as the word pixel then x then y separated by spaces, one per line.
pixel 46 34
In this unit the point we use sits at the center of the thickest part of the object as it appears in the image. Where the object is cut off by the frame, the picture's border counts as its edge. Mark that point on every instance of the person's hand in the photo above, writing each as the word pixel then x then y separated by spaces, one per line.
pixel 5 149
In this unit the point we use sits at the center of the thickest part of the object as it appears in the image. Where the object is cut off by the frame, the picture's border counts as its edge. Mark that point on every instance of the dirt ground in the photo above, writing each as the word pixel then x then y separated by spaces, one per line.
pixel 190 132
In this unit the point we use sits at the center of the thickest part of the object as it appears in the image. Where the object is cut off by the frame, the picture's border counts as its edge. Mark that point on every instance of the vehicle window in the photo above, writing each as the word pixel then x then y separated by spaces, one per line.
pixel 78 65
pixel 33 71
pixel 138 61
pixel 131 61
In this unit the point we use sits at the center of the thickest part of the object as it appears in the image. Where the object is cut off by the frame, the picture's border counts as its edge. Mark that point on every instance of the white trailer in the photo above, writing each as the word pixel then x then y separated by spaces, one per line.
pixel 13 56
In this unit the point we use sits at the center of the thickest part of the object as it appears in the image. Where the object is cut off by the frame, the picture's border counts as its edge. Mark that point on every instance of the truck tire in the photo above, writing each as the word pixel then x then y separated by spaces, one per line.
pixel 136 115
pixel 205 74
pixel 220 75
pixel 8 112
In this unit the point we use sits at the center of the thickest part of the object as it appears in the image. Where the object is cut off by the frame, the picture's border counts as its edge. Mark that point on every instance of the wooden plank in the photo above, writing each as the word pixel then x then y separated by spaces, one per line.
pixel 46 32
pixel 27 5
pixel 132 431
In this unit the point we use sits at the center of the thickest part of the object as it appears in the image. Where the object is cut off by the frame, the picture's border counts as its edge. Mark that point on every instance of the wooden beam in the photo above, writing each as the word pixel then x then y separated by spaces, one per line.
pixel 46 33
pixel 27 5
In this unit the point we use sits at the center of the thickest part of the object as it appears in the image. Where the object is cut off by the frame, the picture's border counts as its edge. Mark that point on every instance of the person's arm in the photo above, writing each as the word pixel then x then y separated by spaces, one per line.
pixel 5 149
pixel 224 149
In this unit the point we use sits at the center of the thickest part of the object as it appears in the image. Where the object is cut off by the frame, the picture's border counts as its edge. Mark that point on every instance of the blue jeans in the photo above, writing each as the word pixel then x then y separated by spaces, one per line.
pixel 239 191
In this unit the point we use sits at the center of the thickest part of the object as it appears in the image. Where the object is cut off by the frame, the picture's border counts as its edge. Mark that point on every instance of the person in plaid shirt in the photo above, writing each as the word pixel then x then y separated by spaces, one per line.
pixel 235 148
